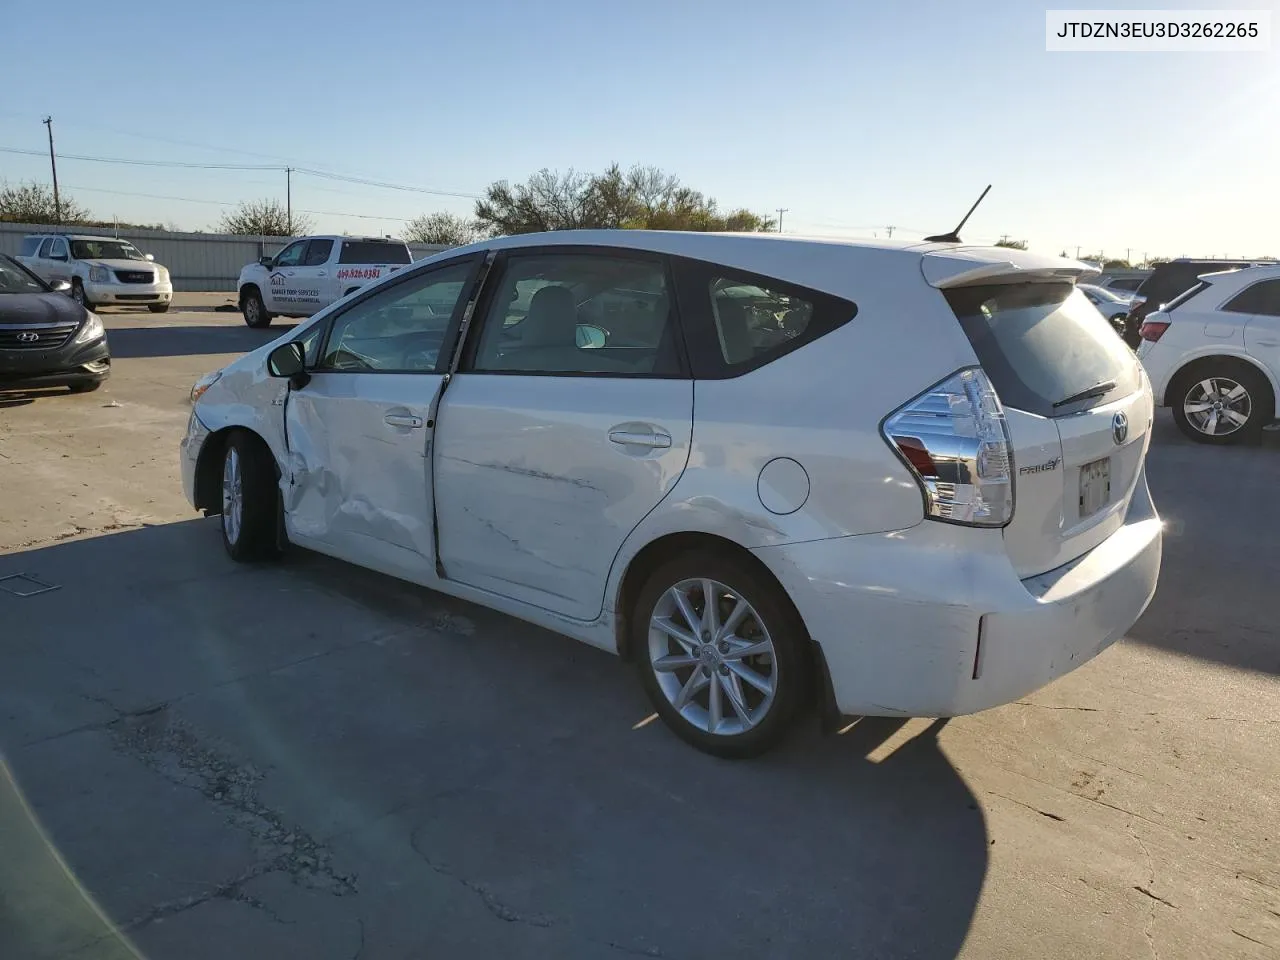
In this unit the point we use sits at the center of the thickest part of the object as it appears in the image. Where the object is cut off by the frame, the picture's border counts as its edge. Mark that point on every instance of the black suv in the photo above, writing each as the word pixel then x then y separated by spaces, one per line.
pixel 46 338
pixel 1168 280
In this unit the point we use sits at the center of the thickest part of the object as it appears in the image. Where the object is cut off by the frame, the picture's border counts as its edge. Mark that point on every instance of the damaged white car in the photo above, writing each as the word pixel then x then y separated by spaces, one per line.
pixel 774 473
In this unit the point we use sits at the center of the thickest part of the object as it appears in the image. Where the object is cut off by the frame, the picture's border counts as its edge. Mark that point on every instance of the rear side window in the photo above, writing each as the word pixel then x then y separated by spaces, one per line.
pixel 1186 295
pixel 737 322
pixel 1041 343
pixel 1263 298
pixel 373 251
pixel 29 246
pixel 47 247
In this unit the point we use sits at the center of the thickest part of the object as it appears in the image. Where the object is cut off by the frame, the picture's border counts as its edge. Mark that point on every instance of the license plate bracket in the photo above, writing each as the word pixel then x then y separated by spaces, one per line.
pixel 1095 486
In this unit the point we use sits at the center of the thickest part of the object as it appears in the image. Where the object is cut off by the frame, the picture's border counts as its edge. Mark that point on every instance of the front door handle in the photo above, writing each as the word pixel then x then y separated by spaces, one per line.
pixel 401 420
pixel 641 438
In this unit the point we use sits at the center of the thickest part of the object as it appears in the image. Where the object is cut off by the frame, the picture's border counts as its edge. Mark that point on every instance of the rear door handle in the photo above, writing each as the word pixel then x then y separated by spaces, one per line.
pixel 401 420
pixel 641 438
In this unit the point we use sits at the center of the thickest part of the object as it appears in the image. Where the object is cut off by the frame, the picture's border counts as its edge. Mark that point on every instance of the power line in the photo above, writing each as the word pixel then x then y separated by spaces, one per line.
pixel 231 203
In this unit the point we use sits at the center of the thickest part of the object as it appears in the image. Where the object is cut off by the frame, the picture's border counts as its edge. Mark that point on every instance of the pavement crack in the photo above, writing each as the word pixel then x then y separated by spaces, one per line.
pixel 1046 706
pixel 1251 939
pixel 1043 813
pixel 1154 896
pixel 632 951
pixel 360 949
pixel 167 747
pixel 1149 927
pixel 491 902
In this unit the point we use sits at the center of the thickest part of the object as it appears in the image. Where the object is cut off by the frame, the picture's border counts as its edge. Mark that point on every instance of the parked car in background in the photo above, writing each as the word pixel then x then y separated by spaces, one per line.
pixel 959 407
pixel 1213 354
pixel 1167 281
pixel 1113 306
pixel 1122 285
pixel 46 338
pixel 102 271
pixel 311 273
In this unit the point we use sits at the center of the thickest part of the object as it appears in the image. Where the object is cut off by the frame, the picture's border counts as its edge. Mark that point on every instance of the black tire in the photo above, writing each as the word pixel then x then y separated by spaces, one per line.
pixel 1225 374
pixel 78 294
pixel 253 537
pixel 790 665
pixel 158 307
pixel 85 386
pixel 254 310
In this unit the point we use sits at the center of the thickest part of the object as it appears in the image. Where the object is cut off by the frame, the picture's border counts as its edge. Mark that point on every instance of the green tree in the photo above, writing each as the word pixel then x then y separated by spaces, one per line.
pixel 1004 241
pixel 33 203
pixel 1116 265
pixel 264 218
pixel 643 198
pixel 444 228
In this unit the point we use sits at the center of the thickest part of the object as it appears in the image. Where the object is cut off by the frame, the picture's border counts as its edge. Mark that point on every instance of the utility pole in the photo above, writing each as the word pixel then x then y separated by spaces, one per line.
pixel 288 198
pixel 1077 251
pixel 53 163
pixel 781 211
pixel 889 229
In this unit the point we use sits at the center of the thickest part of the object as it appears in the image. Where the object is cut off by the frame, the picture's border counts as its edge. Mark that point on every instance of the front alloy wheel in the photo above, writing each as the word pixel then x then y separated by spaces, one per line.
pixel 232 497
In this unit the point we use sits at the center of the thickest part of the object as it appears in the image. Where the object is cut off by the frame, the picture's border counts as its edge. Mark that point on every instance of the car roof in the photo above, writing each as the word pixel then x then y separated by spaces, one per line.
pixel 335 236
pixel 80 236
pixel 815 261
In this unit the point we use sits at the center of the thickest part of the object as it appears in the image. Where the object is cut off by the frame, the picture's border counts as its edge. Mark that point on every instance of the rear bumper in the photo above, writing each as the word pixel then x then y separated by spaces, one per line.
pixel 43 368
pixel 932 621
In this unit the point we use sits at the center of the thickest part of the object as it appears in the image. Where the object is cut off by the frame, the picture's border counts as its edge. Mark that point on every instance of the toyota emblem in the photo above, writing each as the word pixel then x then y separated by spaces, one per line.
pixel 28 337
pixel 1119 428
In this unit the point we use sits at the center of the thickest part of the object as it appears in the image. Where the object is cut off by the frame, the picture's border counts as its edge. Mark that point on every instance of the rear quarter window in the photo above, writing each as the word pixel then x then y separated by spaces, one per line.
pixel 373 251
pixel 735 322
pixel 1041 343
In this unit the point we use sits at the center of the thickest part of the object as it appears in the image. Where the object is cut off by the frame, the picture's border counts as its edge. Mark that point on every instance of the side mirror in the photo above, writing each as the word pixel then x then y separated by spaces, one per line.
pixel 60 286
pixel 149 256
pixel 266 261
pixel 289 361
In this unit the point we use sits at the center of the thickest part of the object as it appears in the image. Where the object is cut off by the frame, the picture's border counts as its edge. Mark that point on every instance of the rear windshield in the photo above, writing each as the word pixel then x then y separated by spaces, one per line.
pixel 373 251
pixel 1041 343
pixel 30 245
pixel 1172 279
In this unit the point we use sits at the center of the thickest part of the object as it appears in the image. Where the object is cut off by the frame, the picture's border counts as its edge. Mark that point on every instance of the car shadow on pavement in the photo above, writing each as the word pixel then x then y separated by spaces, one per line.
pixel 305 757
pixel 149 342
pixel 1221 569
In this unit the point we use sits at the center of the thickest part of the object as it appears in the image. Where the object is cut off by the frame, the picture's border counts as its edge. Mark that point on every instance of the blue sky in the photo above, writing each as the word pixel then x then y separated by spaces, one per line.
pixel 854 116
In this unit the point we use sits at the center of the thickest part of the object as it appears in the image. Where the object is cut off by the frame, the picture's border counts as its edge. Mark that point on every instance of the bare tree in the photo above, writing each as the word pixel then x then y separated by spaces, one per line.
pixel 263 218
pixel 33 203
pixel 639 198
pixel 444 228
pixel 1004 241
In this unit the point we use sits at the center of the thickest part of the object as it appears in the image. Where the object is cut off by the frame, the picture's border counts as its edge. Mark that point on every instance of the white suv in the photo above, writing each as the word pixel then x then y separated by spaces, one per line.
pixel 1213 354
pixel 882 478
pixel 102 271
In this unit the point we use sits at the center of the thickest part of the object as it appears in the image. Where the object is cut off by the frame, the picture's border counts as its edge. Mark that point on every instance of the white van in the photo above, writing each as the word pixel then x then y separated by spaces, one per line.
pixel 311 273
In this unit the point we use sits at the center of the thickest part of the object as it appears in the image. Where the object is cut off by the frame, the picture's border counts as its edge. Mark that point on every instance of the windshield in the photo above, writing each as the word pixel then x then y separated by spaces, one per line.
pixel 105 250
pixel 14 279
pixel 1041 343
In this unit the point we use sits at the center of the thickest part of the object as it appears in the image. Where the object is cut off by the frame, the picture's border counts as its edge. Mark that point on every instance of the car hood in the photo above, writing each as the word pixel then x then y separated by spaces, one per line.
pixel 26 308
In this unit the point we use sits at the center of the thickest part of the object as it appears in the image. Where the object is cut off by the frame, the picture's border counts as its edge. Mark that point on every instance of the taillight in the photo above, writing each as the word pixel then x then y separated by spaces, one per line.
pixel 1153 330
pixel 956 442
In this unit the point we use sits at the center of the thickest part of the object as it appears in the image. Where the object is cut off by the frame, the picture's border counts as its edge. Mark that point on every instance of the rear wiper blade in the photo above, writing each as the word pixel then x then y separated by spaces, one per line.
pixel 1097 390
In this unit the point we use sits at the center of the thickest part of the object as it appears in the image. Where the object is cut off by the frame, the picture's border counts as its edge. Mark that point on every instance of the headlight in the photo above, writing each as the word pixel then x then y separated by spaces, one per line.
pixel 99 274
pixel 203 384
pixel 162 274
pixel 92 330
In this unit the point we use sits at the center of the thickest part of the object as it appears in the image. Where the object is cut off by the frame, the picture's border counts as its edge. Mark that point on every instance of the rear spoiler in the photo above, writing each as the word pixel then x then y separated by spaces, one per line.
pixel 945 271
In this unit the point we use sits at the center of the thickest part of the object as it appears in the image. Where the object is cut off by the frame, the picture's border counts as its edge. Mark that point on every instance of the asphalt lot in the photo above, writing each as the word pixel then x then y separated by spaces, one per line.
pixel 308 760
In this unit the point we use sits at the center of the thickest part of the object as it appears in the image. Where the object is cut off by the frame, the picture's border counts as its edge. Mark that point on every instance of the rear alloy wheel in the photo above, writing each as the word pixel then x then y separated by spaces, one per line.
pixel 248 500
pixel 722 654
pixel 254 310
pixel 1222 403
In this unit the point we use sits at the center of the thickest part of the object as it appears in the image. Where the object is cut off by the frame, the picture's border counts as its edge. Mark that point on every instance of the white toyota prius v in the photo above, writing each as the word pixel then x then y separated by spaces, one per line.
pixel 776 474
